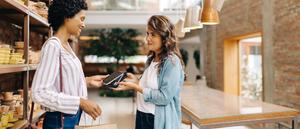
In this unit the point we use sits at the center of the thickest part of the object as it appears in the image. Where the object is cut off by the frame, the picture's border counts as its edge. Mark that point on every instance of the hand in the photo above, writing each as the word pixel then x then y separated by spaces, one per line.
pixel 91 108
pixel 126 86
pixel 95 81
pixel 131 78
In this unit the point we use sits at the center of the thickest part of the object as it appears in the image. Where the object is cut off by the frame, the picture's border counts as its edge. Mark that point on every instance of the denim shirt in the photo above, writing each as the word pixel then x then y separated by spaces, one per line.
pixel 167 97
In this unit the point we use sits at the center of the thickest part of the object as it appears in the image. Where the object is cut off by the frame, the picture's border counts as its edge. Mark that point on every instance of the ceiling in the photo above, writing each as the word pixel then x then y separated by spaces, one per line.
pixel 133 13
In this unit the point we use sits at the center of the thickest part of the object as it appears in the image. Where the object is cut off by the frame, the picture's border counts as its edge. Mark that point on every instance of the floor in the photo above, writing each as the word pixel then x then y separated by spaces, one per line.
pixel 118 111
pixel 121 111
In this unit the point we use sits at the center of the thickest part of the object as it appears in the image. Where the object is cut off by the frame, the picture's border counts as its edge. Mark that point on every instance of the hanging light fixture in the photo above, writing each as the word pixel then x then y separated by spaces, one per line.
pixel 191 18
pixel 209 15
pixel 179 28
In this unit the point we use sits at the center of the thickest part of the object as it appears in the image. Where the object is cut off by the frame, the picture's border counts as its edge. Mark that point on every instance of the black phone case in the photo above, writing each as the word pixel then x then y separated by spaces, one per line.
pixel 113 79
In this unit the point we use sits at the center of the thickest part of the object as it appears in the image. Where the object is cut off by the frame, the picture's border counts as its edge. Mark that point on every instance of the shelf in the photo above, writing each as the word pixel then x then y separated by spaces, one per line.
pixel 38 23
pixel 21 17
pixel 20 124
pixel 46 1
pixel 12 68
pixel 37 20
pixel 11 6
pixel 17 68
pixel 15 12
pixel 23 123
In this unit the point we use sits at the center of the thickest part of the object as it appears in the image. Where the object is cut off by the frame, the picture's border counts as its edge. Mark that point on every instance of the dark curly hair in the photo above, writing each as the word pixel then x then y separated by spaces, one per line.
pixel 59 10
pixel 165 29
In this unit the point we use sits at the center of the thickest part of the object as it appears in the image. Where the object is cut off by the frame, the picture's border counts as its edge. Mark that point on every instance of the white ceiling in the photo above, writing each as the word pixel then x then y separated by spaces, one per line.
pixel 141 5
pixel 124 19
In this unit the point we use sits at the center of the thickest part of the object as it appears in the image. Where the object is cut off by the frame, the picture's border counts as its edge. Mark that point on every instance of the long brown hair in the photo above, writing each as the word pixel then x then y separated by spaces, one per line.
pixel 165 29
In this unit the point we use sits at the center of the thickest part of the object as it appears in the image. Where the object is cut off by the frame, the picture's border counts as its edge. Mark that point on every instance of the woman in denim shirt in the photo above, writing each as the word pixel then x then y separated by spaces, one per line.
pixel 158 96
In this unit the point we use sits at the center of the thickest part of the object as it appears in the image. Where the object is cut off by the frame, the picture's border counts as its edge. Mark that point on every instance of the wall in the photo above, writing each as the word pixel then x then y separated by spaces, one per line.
pixel 278 20
pixel 238 17
pixel 286 37
pixel 191 42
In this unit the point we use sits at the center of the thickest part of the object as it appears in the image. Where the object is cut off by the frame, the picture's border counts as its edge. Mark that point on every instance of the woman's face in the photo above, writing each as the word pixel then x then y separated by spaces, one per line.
pixel 154 41
pixel 75 24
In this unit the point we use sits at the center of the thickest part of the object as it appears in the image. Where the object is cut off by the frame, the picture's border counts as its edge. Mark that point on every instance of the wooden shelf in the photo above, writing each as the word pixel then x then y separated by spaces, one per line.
pixel 25 19
pixel 13 68
pixel 14 12
pixel 20 124
pixel 38 23
pixel 37 20
pixel 12 6
pixel 17 68
pixel 23 123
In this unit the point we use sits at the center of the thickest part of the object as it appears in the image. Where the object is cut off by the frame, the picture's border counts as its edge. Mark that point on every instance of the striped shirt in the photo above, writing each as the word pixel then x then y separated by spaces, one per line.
pixel 46 82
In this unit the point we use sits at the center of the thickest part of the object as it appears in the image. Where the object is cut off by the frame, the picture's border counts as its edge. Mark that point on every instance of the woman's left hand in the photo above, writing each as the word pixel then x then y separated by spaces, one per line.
pixel 126 86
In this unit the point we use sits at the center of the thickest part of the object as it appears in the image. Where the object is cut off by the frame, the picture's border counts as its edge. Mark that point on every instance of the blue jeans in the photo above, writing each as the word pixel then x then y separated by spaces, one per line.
pixel 144 120
pixel 52 120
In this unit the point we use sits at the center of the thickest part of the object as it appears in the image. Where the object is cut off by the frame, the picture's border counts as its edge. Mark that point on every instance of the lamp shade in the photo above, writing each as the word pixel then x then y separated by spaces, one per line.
pixel 209 15
pixel 191 18
pixel 180 32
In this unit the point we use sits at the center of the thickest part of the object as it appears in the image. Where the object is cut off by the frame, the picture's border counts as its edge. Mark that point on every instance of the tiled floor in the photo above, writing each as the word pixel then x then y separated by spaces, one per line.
pixel 121 111
pixel 114 110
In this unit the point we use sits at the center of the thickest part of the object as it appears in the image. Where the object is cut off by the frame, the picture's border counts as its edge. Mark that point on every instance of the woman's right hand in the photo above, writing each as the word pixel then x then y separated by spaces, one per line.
pixel 131 78
pixel 90 107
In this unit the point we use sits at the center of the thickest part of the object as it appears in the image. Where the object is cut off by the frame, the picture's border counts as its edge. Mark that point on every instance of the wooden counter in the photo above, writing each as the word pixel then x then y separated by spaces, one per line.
pixel 208 108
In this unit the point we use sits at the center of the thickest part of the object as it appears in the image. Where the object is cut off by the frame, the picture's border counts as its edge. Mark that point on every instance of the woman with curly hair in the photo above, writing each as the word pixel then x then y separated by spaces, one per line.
pixel 158 102
pixel 59 84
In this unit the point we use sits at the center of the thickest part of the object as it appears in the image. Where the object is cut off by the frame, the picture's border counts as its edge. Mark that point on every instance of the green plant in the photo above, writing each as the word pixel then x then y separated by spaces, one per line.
pixel 117 43
pixel 111 93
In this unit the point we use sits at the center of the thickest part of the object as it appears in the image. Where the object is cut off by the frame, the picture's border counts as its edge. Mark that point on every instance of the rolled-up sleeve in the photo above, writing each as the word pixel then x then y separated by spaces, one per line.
pixel 44 89
pixel 170 84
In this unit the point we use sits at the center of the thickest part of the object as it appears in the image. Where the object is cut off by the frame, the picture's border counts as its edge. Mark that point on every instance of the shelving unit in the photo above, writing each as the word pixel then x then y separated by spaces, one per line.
pixel 12 68
pixel 23 123
pixel 17 68
pixel 21 15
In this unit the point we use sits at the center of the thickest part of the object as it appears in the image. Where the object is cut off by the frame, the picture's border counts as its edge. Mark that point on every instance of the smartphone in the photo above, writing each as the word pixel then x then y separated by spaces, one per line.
pixel 113 79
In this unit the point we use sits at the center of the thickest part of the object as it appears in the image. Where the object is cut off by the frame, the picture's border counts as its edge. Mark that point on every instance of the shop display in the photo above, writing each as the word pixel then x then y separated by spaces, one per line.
pixel 12 51
pixel 34 57
pixel 21 1
pixel 5 51
pixel 8 56
pixel 39 7
pixel 12 58
pixel 11 109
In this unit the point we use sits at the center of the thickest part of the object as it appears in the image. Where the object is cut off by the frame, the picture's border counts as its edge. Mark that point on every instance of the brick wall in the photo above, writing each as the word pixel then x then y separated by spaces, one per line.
pixel 240 17
pixel 287 52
